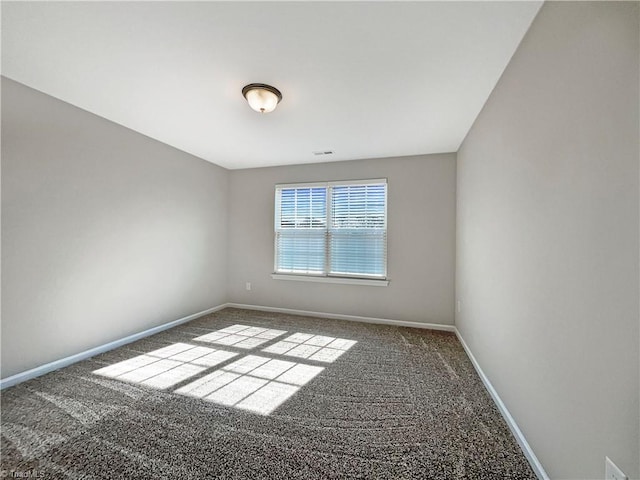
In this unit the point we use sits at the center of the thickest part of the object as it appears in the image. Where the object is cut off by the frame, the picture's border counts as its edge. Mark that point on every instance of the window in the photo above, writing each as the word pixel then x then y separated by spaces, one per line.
pixel 332 229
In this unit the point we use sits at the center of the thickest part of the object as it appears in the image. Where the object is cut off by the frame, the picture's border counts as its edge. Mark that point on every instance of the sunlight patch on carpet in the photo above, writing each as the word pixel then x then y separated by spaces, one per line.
pixel 253 383
pixel 166 366
pixel 241 336
pixel 313 347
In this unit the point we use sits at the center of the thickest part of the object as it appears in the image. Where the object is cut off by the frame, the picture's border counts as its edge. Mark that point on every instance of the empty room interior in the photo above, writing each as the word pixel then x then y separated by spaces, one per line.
pixel 320 240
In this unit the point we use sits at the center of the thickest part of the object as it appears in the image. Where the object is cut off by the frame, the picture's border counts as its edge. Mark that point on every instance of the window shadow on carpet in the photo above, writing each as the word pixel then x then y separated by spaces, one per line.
pixel 254 383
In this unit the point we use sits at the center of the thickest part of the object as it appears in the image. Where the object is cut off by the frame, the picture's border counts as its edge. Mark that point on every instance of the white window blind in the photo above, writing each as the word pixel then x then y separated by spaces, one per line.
pixel 332 229
pixel 301 228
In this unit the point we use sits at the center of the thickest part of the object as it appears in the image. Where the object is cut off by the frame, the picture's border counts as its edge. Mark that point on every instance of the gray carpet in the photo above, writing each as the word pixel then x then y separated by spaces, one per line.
pixel 296 398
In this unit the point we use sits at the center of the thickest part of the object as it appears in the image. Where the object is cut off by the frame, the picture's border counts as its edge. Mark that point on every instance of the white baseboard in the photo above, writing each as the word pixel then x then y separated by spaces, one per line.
pixel 513 426
pixel 352 318
pixel 63 362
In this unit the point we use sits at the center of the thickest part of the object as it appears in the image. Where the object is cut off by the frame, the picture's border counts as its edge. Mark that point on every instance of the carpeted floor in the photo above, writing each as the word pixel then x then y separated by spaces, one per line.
pixel 296 398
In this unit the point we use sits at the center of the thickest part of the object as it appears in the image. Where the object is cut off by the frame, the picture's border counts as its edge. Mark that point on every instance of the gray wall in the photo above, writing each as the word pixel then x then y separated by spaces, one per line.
pixel 105 232
pixel 421 240
pixel 547 222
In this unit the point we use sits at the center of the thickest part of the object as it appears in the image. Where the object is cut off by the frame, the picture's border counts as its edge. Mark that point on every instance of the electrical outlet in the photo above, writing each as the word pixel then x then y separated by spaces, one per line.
pixel 459 306
pixel 247 285
pixel 612 472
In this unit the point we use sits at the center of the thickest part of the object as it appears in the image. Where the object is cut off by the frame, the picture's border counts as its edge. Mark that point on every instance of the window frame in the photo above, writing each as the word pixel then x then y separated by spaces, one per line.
pixel 326 276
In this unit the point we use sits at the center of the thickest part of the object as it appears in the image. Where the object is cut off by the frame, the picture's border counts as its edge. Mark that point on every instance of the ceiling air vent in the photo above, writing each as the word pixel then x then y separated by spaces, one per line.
pixel 323 152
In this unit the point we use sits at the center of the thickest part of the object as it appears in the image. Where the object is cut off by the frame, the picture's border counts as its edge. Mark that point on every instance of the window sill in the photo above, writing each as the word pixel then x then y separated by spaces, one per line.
pixel 343 280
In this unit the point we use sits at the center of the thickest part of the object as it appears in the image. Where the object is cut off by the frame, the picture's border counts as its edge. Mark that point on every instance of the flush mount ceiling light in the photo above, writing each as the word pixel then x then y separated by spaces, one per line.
pixel 262 98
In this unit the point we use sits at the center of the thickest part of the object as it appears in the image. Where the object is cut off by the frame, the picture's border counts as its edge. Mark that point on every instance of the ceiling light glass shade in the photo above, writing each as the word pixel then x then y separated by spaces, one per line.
pixel 262 98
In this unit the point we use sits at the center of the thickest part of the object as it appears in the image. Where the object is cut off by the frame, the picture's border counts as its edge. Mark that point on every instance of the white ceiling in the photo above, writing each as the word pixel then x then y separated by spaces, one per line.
pixel 364 79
